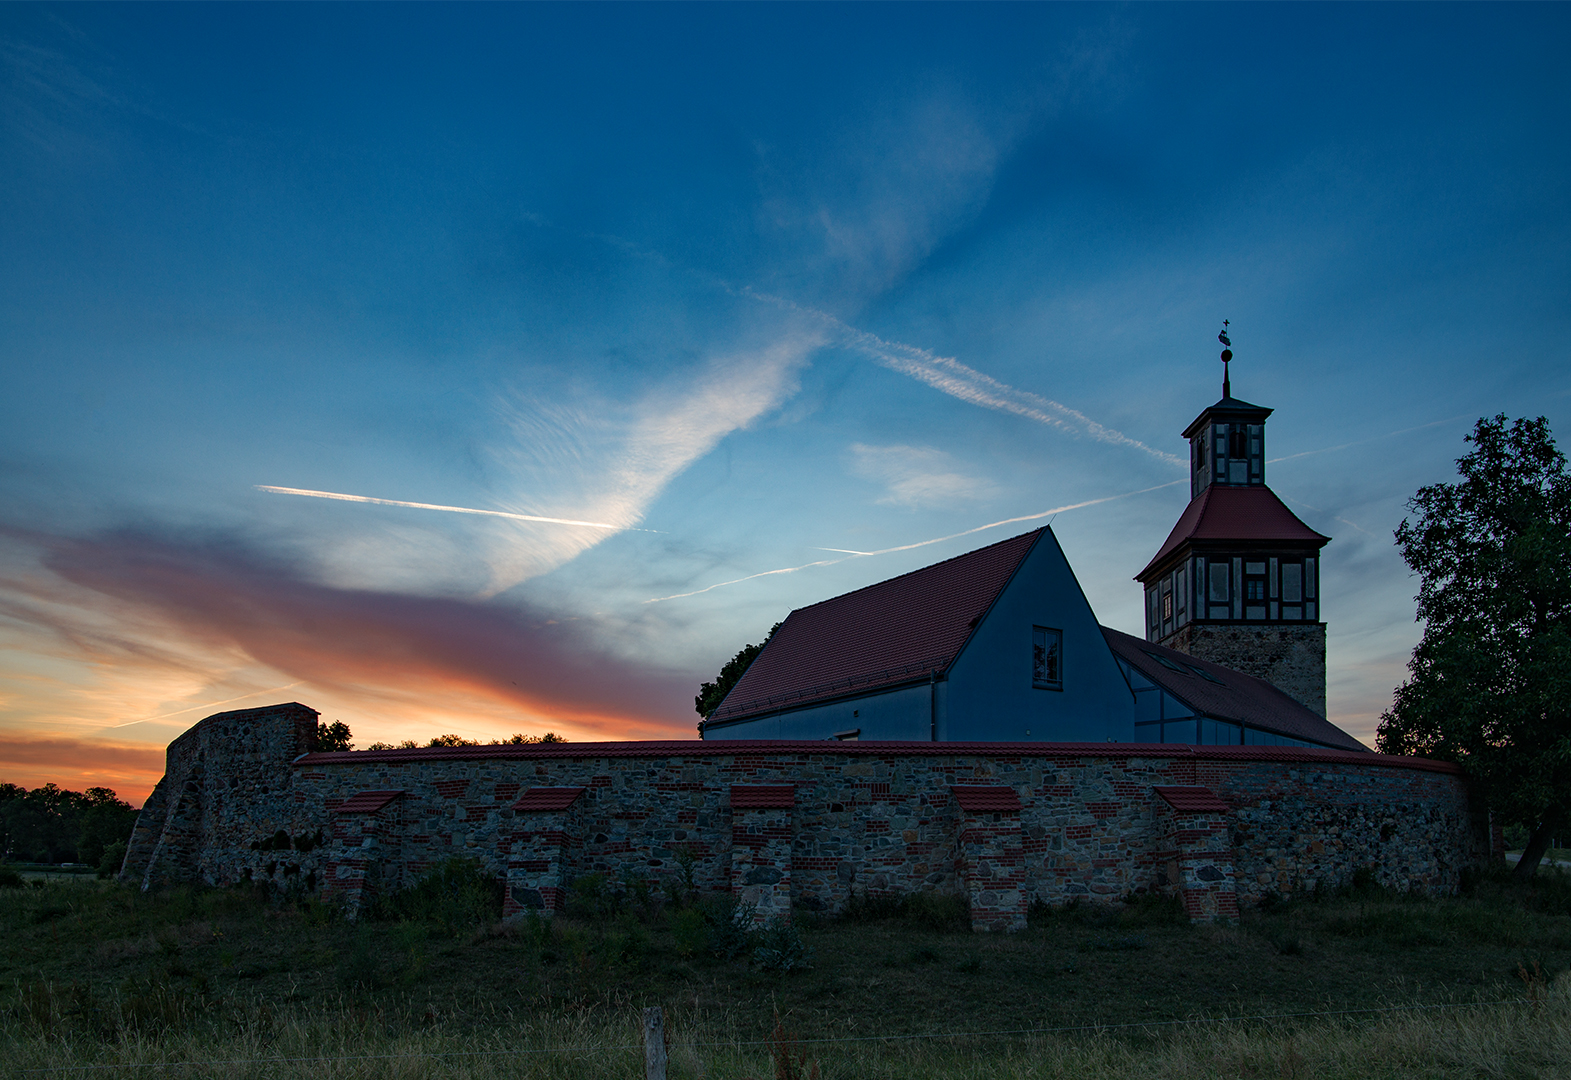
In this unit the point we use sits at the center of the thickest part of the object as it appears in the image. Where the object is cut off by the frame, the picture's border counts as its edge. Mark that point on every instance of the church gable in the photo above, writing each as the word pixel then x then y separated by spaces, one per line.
pixel 886 635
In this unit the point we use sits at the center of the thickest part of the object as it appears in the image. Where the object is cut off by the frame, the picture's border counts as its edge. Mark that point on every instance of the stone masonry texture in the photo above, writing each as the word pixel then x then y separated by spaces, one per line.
pixel 1291 658
pixel 243 800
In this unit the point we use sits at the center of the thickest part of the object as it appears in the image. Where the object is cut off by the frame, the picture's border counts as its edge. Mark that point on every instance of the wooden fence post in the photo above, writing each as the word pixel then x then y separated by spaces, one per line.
pixel 654 1044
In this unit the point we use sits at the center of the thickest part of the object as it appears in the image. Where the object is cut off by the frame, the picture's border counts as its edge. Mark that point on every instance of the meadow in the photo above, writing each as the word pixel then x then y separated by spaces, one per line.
pixel 97 979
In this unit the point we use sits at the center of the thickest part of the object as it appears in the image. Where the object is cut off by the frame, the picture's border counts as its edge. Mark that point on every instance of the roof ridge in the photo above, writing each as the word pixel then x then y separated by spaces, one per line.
pixel 920 569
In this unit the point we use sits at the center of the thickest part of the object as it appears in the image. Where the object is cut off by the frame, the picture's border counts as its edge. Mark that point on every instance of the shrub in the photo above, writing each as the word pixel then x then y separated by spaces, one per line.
pixel 9 879
pixel 456 894
pixel 779 947
pixel 729 923
pixel 114 855
pixel 938 912
pixel 689 931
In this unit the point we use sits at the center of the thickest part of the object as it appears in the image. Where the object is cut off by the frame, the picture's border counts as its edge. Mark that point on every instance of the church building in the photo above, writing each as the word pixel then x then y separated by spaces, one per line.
pixel 1001 645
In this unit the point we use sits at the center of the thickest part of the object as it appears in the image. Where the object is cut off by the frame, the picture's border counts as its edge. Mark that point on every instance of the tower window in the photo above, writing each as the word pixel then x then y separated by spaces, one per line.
pixel 1047 651
pixel 1237 444
pixel 1218 580
pixel 1292 582
pixel 1167 606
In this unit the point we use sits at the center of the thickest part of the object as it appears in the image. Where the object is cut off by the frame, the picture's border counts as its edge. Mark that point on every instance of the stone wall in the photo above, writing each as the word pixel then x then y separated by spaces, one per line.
pixel 805 823
pixel 1291 658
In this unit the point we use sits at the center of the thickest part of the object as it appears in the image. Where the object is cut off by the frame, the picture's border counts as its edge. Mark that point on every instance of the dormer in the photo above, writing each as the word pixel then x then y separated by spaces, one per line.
pixel 1227 445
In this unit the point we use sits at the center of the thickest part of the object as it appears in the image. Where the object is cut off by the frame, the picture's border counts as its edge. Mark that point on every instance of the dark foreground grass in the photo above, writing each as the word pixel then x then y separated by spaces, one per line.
pixel 93 973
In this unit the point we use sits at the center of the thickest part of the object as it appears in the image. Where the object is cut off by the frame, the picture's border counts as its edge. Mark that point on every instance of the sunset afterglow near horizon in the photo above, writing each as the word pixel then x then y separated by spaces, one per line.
pixel 493 369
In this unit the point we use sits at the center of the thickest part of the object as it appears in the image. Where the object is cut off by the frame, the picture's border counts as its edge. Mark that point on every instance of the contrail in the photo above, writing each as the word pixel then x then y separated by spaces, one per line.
pixel 908 547
pixel 950 376
pixel 1372 438
pixel 209 705
pixel 449 509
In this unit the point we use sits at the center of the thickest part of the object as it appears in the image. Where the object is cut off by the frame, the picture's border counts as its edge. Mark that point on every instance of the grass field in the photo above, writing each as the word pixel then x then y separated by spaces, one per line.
pixel 97 974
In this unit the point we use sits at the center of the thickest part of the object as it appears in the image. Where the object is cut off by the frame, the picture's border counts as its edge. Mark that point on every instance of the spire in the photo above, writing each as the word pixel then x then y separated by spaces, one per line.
pixel 1227 354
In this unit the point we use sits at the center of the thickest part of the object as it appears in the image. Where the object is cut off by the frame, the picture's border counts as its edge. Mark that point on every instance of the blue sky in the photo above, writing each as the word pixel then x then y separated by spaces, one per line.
pixel 739 285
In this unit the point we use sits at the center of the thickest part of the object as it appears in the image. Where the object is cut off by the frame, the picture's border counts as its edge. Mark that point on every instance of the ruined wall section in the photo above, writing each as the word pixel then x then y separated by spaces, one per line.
pixel 238 806
pixel 227 784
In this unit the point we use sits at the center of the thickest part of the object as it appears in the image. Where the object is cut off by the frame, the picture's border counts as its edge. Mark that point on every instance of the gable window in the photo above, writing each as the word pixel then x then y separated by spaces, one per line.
pixel 1047 658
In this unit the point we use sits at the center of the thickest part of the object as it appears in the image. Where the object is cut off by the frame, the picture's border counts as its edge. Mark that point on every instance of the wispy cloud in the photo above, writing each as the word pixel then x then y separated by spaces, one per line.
pixel 911 547
pixel 216 594
pixel 131 771
pixel 917 476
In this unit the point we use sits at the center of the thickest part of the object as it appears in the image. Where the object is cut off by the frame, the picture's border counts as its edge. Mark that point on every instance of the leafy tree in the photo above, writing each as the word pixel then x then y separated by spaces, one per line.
pixel 452 740
pixel 524 740
pixel 711 694
pixel 52 825
pixel 1490 684
pixel 334 736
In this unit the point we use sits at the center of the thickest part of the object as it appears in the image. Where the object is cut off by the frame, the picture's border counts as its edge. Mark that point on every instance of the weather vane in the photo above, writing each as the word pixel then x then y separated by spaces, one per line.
pixel 1227 354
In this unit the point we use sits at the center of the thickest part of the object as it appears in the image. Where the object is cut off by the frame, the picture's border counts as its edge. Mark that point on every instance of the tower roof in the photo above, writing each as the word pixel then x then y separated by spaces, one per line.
pixel 1235 513
pixel 894 632
pixel 1229 408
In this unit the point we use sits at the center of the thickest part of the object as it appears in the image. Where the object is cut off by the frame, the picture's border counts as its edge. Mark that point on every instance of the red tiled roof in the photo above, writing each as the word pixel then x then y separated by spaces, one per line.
pixel 366 802
pixel 762 796
pixel 896 631
pixel 1192 800
pixel 547 798
pixel 804 749
pixel 987 800
pixel 1224 512
pixel 1225 694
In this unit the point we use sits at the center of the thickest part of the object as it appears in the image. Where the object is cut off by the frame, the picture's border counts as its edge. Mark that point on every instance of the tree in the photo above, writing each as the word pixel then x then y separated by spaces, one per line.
pixel 711 694
pixel 1490 684
pixel 334 736
pixel 525 740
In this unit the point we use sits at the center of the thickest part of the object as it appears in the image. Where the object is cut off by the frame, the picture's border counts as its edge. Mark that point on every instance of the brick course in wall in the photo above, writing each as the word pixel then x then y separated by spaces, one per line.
pixel 804 823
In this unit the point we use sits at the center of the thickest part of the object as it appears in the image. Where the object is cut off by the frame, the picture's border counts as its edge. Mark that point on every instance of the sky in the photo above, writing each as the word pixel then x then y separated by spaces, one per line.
pixel 632 328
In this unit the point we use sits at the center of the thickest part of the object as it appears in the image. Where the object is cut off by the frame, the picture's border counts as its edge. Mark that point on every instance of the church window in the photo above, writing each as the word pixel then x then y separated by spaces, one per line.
pixel 1167 606
pixel 1047 649
pixel 1237 443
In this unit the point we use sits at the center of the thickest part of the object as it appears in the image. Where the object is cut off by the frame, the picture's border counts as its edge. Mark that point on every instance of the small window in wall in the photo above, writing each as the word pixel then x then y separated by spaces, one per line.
pixel 1047 658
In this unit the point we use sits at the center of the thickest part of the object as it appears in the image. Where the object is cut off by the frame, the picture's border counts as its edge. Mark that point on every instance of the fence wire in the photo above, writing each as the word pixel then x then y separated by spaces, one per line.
pixel 739 1044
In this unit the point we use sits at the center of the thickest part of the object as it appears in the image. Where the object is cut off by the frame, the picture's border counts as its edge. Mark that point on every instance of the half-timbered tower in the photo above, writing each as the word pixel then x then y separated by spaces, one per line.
pixel 1238 580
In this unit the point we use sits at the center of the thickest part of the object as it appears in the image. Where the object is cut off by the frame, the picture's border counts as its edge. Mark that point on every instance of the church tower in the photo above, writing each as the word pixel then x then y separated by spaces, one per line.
pixel 1238 580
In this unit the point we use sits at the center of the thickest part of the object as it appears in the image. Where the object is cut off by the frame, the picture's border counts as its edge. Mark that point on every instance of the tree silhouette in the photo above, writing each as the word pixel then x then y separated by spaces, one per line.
pixel 1490 684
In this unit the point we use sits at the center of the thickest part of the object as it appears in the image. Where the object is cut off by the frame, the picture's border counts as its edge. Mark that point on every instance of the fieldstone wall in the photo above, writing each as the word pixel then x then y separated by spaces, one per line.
pixel 1291 658
pixel 804 823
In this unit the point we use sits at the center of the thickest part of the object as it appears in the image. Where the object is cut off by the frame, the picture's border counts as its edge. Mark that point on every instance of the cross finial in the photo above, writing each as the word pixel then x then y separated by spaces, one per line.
pixel 1227 354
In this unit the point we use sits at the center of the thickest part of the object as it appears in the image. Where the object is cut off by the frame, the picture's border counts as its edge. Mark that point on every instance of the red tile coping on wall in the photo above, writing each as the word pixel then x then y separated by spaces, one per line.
pixel 548 798
pixel 762 796
pixel 1192 800
pixel 366 802
pixel 987 800
pixel 806 748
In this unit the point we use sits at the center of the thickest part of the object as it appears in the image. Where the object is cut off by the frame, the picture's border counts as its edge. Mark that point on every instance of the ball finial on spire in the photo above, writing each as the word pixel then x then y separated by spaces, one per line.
pixel 1227 354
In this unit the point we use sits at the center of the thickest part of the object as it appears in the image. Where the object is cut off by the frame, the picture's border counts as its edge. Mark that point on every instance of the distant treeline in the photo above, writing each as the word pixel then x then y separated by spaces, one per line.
pixel 336 736
pixel 52 825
